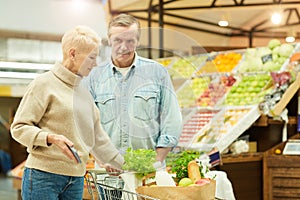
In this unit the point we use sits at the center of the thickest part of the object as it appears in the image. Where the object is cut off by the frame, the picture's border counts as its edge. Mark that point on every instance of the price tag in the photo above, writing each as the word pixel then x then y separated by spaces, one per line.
pixel 266 58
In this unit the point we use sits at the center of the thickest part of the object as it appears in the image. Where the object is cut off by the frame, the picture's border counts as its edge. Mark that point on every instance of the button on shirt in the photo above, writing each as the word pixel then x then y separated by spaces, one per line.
pixel 140 109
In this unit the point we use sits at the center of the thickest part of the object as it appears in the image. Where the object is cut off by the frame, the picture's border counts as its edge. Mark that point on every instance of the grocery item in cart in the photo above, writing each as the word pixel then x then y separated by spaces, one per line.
pixel 109 189
pixel 194 192
pixel 192 184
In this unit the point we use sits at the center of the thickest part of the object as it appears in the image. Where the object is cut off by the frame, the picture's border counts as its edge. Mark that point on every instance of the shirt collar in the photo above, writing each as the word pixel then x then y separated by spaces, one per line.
pixel 132 65
pixel 65 75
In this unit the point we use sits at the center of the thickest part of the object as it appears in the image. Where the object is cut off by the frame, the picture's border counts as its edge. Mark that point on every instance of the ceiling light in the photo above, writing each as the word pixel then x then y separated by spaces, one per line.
pixel 290 39
pixel 291 34
pixel 276 18
pixel 224 20
pixel 223 23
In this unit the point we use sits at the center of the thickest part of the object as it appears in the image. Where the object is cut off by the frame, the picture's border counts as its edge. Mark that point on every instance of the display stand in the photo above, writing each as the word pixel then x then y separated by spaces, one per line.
pixel 281 173
pixel 245 173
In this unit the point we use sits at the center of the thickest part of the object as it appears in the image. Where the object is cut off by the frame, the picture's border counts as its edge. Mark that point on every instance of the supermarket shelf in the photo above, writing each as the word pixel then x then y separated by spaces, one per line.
pixel 243 124
pixel 224 128
pixel 243 157
pixel 264 120
pixel 286 97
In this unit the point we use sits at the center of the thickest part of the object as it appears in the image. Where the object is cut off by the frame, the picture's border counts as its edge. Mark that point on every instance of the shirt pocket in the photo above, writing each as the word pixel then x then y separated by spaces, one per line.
pixel 106 105
pixel 145 105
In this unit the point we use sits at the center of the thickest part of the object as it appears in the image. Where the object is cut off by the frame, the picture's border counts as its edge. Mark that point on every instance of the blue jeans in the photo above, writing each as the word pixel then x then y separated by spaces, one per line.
pixel 38 185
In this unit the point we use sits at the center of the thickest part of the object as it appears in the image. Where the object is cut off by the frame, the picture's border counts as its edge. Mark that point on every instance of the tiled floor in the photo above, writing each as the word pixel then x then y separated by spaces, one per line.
pixel 7 192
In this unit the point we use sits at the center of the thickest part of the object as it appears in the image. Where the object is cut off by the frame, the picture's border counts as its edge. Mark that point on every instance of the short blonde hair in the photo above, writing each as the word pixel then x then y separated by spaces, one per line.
pixel 124 20
pixel 80 37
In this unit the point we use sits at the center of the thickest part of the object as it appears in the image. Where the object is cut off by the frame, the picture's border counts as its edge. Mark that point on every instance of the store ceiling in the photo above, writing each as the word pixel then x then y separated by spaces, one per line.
pixel 247 18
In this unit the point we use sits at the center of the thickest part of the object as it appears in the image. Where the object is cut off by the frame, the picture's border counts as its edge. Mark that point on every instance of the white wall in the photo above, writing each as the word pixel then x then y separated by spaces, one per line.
pixel 57 16
pixel 182 39
pixel 51 16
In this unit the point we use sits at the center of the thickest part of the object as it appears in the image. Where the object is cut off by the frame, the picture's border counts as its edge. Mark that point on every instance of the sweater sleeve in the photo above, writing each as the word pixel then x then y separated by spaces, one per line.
pixel 24 128
pixel 104 150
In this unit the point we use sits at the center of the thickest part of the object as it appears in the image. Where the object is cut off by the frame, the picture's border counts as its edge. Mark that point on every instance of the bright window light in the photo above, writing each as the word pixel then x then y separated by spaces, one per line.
pixel 20 65
pixel 276 18
pixel 78 4
pixel 21 75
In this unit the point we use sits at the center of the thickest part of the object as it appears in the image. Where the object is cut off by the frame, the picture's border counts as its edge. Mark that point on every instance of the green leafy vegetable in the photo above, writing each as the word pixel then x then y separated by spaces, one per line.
pixel 179 162
pixel 139 161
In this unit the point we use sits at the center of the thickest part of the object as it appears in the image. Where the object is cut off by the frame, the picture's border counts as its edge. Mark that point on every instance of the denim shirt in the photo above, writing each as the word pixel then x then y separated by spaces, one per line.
pixel 139 110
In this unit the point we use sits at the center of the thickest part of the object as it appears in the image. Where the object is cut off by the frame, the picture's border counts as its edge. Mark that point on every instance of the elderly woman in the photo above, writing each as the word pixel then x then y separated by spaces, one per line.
pixel 56 113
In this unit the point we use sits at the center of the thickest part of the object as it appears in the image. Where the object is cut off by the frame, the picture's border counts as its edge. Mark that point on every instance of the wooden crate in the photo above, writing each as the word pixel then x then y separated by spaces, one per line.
pixel 281 174
pixel 245 173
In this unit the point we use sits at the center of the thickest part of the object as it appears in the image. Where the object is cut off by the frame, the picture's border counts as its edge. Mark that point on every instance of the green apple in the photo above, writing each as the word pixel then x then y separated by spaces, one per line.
pixel 185 182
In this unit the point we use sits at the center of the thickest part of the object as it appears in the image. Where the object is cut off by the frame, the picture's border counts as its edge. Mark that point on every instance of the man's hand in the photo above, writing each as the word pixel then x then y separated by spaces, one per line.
pixel 159 166
pixel 162 152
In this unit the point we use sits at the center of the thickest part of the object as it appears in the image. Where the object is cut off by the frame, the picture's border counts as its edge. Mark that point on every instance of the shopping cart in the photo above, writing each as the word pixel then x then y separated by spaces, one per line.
pixel 103 186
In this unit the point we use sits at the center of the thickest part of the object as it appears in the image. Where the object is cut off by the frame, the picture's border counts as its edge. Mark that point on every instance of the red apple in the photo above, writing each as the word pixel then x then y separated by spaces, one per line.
pixel 202 181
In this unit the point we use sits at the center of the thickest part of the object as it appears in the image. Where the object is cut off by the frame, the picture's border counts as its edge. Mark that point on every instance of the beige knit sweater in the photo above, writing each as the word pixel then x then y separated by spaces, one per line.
pixel 56 103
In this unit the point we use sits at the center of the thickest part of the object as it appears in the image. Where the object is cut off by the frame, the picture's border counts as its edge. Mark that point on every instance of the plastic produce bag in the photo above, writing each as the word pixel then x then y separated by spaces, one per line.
pixel 224 188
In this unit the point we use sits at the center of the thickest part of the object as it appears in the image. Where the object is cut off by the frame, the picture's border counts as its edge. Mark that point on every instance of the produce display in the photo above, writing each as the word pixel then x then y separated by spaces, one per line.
pixel 220 125
pixel 222 62
pixel 281 78
pixel 188 94
pixel 266 59
pixel 281 82
pixel 226 62
pixel 185 67
pixel 216 90
pixel 195 123
pixel 186 97
pixel 252 77
pixel 207 68
pixel 250 90
pixel 165 61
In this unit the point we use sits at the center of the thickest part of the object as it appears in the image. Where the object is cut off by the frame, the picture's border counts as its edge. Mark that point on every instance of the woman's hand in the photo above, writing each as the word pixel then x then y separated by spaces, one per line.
pixel 62 142
pixel 109 169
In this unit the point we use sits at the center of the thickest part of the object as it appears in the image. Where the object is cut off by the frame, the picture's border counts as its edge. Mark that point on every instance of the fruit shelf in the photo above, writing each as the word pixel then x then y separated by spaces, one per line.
pixel 221 62
pixel 225 100
pixel 227 125
pixel 185 67
pixel 197 119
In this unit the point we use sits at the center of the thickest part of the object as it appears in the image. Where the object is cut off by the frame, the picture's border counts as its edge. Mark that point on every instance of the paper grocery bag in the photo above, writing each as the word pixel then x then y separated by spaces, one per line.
pixel 195 192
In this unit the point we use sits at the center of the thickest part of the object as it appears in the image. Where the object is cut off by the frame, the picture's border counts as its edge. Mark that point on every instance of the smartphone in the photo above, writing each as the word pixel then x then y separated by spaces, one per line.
pixel 74 151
